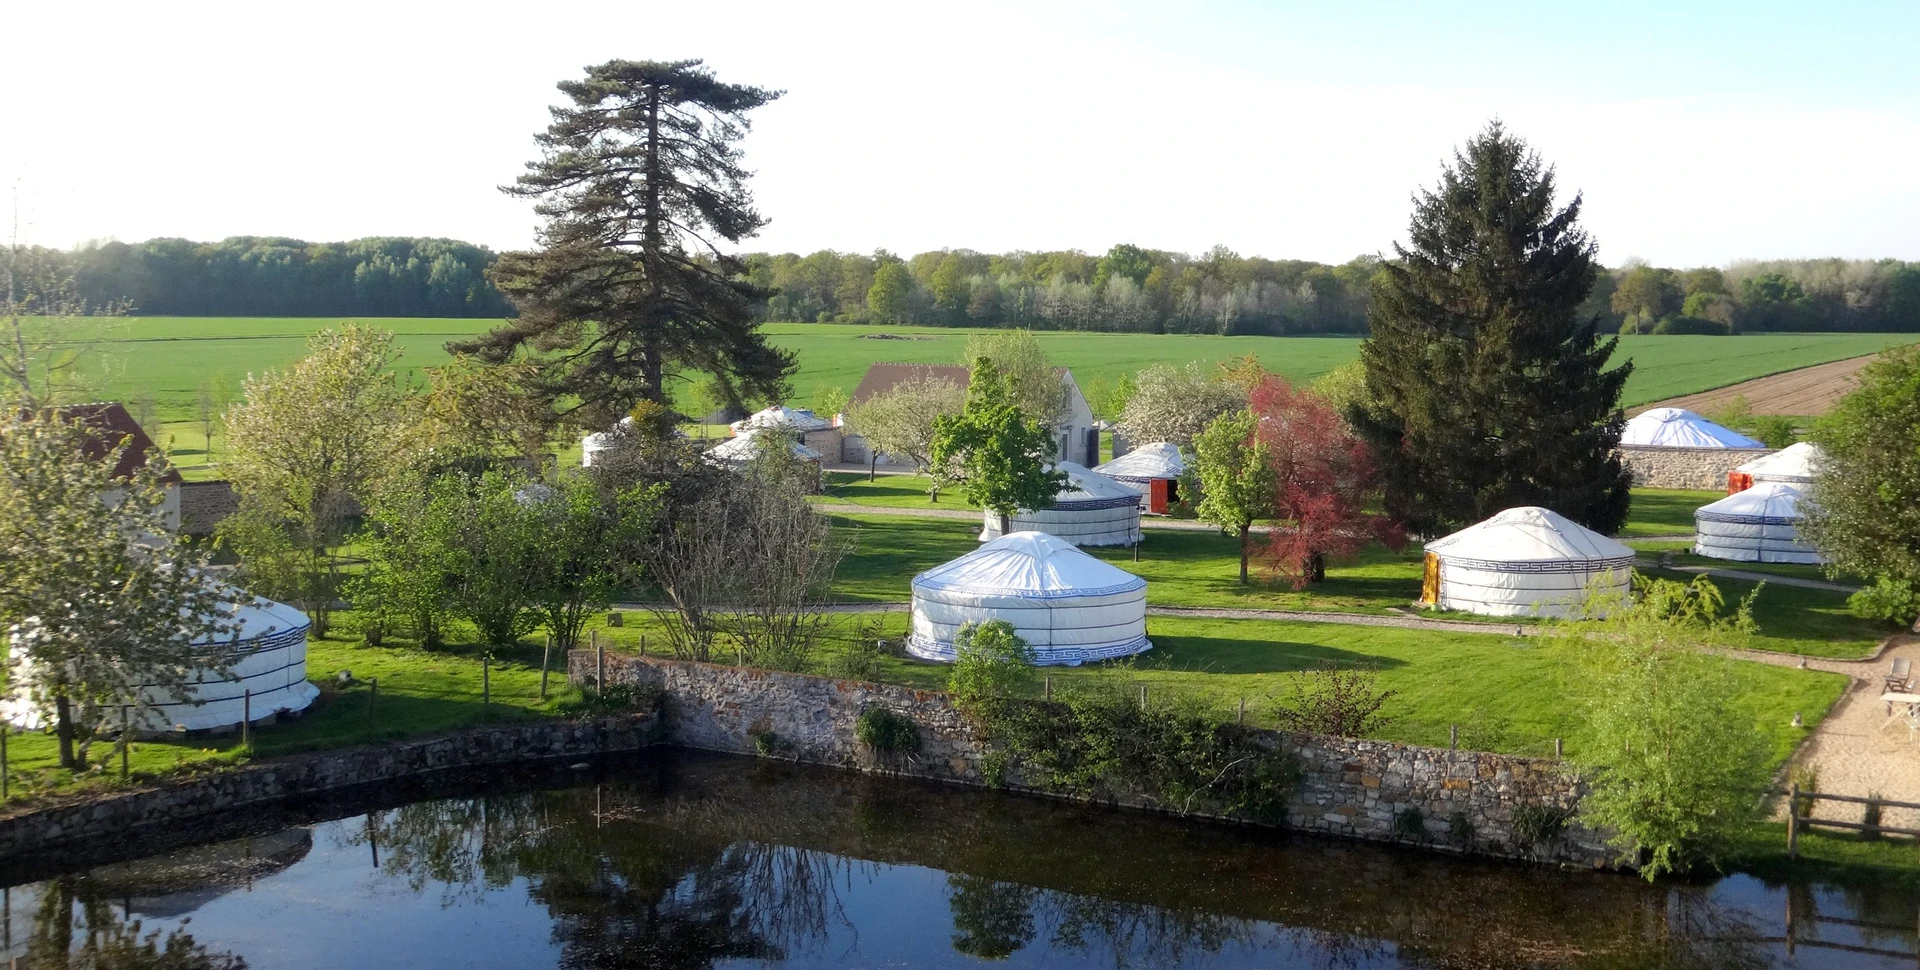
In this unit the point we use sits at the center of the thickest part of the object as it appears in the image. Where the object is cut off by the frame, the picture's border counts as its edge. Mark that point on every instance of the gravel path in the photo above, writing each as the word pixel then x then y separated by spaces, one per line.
pixel 1750 576
pixel 973 515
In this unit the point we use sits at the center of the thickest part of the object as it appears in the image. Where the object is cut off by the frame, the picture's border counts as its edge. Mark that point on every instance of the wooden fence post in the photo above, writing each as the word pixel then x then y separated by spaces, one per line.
pixel 1453 737
pixel 1793 820
pixel 486 680
pixel 126 740
pixel 1046 687
pixel 1243 712
pixel 1556 749
pixel 6 781
pixel 599 663
pixel 546 658
pixel 246 720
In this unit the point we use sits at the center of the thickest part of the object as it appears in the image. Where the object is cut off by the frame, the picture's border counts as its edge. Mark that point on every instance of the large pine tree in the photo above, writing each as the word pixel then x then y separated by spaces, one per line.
pixel 1488 391
pixel 639 181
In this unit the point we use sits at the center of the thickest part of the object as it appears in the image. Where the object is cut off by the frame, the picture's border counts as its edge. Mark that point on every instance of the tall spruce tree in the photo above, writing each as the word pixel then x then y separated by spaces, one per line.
pixel 639 180
pixel 1487 390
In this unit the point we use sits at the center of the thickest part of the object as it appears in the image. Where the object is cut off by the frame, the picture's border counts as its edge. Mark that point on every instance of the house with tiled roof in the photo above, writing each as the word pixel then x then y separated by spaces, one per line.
pixel 1075 436
pixel 116 435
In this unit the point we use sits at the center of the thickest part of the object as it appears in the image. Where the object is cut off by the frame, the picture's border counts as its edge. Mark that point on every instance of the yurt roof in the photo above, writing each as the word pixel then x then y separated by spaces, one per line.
pixel 780 417
pixel 1678 428
pixel 1029 564
pixel 1768 503
pixel 258 616
pixel 1157 460
pixel 1086 485
pixel 741 448
pixel 605 439
pixel 1794 462
pixel 1528 534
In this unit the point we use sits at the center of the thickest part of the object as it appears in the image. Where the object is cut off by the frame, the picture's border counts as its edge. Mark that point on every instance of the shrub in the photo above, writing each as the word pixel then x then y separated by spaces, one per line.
pixel 1870 816
pixel 991 663
pixel 1537 824
pixel 1460 829
pixel 1807 779
pixel 1775 430
pixel 766 744
pixel 860 661
pixel 616 699
pixel 1410 824
pixel 1342 701
pixel 1886 599
pixel 1094 743
pixel 887 731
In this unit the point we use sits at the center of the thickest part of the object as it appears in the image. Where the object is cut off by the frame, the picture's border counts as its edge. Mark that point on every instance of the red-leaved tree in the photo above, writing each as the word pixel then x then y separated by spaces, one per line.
pixel 1325 482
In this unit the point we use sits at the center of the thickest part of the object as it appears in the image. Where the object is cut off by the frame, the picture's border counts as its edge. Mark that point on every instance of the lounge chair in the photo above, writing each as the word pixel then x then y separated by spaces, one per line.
pixel 1901 677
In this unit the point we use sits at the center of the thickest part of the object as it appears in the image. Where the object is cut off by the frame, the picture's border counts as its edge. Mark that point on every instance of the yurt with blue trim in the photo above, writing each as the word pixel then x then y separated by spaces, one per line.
pixel 1070 607
pixel 1525 561
pixel 1154 471
pixel 1758 524
pixel 1089 510
pixel 268 676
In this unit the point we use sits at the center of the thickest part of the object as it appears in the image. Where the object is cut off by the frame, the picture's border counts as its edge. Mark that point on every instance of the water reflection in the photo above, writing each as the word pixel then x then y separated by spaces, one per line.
pixel 695 862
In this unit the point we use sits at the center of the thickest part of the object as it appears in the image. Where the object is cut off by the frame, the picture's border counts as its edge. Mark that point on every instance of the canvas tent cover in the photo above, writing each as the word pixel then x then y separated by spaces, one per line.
pixel 1067 605
pixel 1794 463
pixel 780 418
pixel 1759 524
pixel 1677 428
pixel 1527 561
pixel 740 450
pixel 272 666
pixel 1089 510
pixel 1145 463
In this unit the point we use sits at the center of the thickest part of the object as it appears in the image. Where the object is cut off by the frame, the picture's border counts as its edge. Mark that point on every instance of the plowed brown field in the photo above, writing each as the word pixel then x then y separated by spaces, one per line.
pixel 1809 390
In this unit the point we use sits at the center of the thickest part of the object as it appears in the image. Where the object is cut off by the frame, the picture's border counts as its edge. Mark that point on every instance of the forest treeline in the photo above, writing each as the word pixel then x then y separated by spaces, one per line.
pixel 263 276
pixel 1151 291
pixel 1128 289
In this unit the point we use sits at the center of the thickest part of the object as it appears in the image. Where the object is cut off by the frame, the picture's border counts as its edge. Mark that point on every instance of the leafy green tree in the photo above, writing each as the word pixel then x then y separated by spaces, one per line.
pixel 1865 509
pixel 308 446
pixel 1648 292
pixel 411 562
pixel 890 295
pixel 100 596
pixel 950 288
pixel 640 175
pixel 1490 392
pixel 991 663
pixel 1004 455
pixel 901 421
pixel 590 546
pixel 1030 376
pixel 1125 260
pixel 1235 479
pixel 1672 767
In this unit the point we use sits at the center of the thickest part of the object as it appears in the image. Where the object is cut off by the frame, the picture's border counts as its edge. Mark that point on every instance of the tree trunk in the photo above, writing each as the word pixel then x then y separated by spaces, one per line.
pixel 1006 523
pixel 873 465
pixel 1246 541
pixel 63 726
pixel 1316 567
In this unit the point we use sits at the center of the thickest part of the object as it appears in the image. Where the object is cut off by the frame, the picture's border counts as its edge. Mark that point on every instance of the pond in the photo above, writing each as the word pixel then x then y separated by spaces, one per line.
pixel 681 860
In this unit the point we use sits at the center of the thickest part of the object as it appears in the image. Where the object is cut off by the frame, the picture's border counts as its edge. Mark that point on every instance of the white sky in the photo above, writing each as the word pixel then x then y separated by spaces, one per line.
pixel 1292 131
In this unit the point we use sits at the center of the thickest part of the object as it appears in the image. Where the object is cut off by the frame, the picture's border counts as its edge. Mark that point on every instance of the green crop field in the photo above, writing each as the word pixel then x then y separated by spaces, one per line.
pixel 167 358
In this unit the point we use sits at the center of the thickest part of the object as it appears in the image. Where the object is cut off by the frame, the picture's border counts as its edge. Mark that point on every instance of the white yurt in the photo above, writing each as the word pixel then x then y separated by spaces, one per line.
pixel 1758 524
pixel 780 418
pixel 600 441
pixel 1677 428
pixel 271 642
pixel 1526 561
pixel 1153 470
pixel 1795 464
pixel 1070 607
pixel 739 450
pixel 1090 510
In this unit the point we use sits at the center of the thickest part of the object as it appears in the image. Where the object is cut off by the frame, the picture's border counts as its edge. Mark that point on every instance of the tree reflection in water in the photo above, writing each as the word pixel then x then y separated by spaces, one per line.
pixel 692 861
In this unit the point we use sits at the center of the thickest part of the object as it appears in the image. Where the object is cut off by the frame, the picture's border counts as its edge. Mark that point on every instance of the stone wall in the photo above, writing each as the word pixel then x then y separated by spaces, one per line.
pixel 1350 788
pixel 204 504
pixel 124 816
pixel 1699 468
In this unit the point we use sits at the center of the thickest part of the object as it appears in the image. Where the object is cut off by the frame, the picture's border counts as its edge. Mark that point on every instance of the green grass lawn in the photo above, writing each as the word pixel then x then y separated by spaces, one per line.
pixel 1664 511
pixel 421 693
pixel 1682 550
pixel 1793 619
pixel 169 357
pixel 1504 693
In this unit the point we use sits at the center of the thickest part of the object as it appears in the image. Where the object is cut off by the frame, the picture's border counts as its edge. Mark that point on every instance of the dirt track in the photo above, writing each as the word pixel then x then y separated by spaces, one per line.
pixel 1809 391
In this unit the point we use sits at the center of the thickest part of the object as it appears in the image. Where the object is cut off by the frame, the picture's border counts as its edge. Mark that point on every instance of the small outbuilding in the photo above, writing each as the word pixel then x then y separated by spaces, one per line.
pixel 1152 470
pixel 1679 428
pixel 1757 524
pixel 1525 561
pixel 739 449
pixel 1070 607
pixel 1089 510
pixel 269 676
